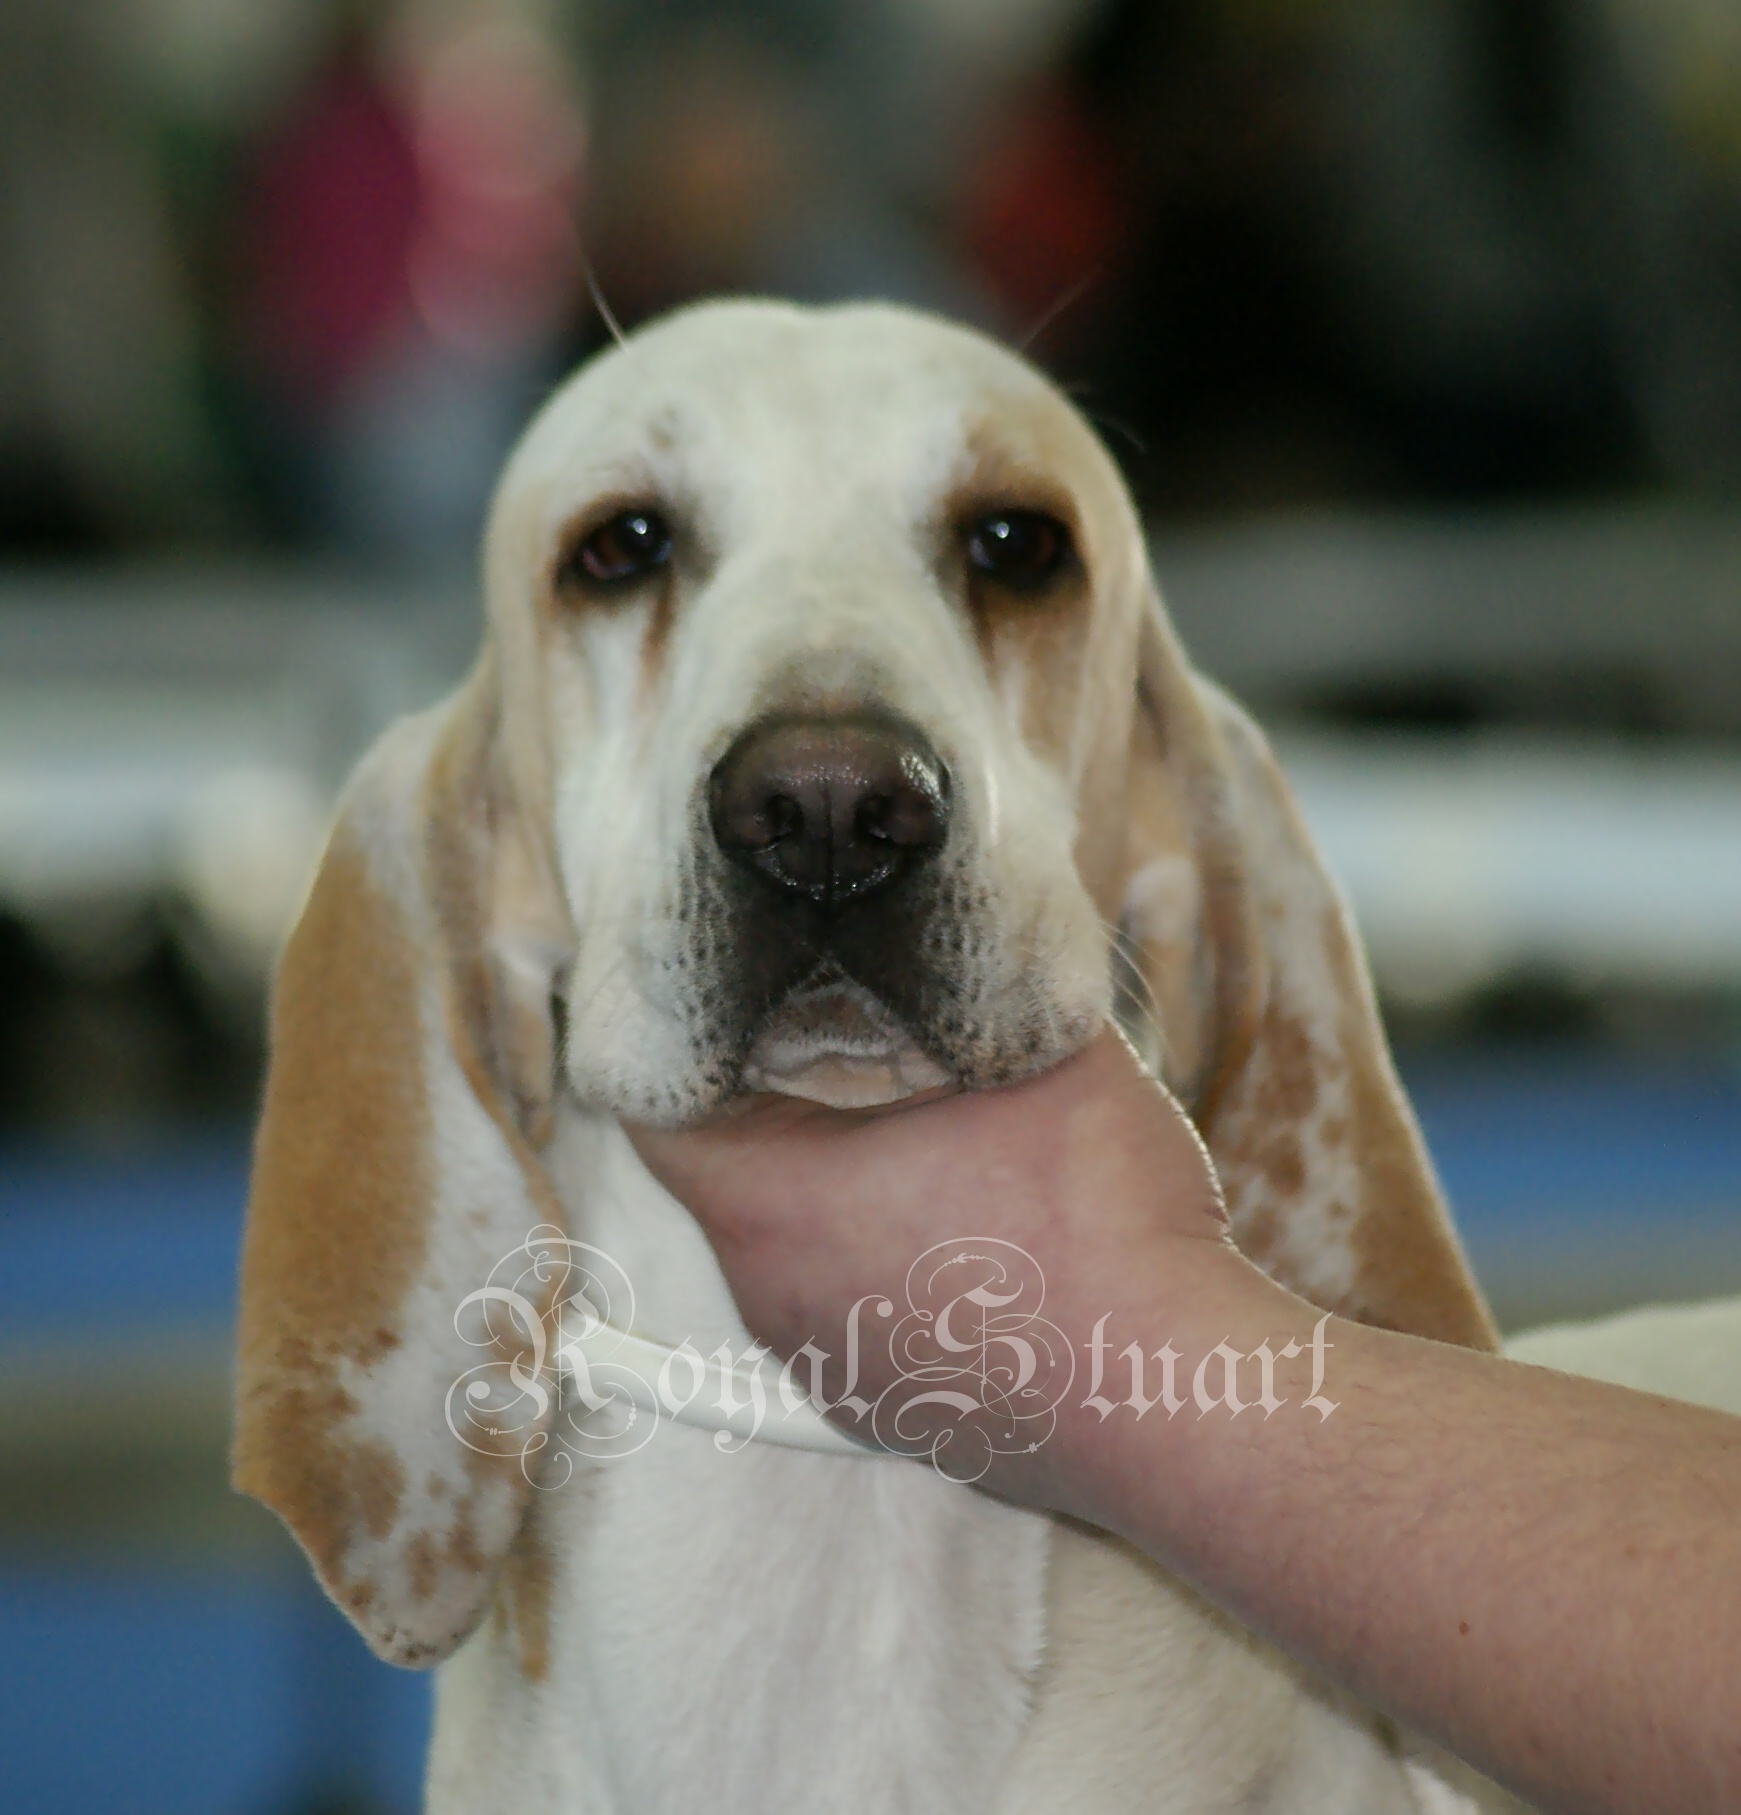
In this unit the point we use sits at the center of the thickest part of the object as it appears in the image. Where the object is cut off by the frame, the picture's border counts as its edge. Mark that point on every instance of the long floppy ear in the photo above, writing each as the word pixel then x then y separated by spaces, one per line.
pixel 1269 1030
pixel 395 1166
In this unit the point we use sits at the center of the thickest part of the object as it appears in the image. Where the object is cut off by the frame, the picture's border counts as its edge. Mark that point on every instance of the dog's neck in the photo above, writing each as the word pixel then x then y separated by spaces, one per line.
pixel 903 1615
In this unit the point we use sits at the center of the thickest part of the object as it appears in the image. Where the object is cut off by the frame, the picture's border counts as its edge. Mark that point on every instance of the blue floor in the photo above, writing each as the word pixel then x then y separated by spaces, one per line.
pixel 133 1691
pixel 1571 1143
pixel 1581 1187
pixel 136 1689
pixel 174 1693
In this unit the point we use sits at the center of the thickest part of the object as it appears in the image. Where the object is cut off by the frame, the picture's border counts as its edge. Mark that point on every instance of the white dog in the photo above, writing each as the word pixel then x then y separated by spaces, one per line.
pixel 828 736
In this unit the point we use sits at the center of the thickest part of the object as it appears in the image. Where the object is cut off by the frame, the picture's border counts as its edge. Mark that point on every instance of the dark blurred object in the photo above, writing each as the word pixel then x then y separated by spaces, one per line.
pixel 116 1039
pixel 321 255
pixel 1047 213
pixel 411 255
pixel 766 147
pixel 1447 249
pixel 103 439
pixel 332 220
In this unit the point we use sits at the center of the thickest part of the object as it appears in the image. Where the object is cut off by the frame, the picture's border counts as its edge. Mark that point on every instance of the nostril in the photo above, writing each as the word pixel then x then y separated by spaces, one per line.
pixel 911 814
pixel 873 819
pixel 785 818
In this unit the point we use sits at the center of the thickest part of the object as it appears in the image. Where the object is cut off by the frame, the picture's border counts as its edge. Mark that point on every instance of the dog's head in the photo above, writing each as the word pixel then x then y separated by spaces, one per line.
pixel 828 737
pixel 820 629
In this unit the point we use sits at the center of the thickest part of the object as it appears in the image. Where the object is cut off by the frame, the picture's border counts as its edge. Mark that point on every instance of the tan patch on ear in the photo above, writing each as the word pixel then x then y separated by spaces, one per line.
pixel 338 1216
pixel 1328 1185
pixel 385 988
pixel 1203 960
pixel 499 1012
pixel 1160 907
pixel 1408 1263
pixel 1320 1156
pixel 527 1586
pixel 430 1556
pixel 1263 1169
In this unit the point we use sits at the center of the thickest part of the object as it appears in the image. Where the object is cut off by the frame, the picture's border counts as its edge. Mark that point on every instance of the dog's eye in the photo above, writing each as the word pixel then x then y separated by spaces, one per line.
pixel 1022 549
pixel 631 544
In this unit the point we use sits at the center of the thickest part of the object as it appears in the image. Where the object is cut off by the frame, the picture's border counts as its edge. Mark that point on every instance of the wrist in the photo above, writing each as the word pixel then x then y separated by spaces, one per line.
pixel 1188 1357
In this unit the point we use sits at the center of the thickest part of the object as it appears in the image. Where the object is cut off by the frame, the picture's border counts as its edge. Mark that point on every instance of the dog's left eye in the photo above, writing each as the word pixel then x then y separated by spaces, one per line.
pixel 631 544
pixel 1018 548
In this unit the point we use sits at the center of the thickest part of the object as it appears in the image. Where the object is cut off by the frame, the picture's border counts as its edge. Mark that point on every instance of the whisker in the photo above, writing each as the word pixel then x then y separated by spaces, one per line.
pixel 1131 983
pixel 598 302
pixel 1114 426
pixel 1072 294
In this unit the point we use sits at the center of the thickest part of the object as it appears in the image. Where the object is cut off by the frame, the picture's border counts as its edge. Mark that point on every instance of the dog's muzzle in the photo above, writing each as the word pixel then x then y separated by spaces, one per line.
pixel 831 828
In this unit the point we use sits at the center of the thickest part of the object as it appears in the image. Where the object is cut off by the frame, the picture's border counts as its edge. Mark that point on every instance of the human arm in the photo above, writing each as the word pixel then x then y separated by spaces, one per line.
pixel 1542 1573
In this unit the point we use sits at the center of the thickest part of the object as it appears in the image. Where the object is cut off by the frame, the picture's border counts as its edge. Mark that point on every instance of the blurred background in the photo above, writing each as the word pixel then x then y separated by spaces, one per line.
pixel 1416 325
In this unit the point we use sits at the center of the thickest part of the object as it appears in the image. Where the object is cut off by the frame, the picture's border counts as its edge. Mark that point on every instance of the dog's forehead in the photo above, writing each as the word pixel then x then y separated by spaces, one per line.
pixel 749 404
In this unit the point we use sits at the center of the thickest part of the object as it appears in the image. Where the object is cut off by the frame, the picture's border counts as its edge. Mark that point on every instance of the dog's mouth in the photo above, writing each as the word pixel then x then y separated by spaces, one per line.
pixel 834 1042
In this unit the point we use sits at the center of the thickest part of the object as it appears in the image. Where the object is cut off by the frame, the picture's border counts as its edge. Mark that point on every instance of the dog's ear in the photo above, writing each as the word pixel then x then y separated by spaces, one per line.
pixel 396 1164
pixel 1242 948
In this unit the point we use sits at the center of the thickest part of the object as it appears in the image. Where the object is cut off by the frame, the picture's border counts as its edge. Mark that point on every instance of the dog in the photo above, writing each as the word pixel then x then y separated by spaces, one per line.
pixel 828 735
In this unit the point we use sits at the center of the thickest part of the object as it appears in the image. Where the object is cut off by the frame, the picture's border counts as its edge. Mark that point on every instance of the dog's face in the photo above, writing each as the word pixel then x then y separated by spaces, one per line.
pixel 830 619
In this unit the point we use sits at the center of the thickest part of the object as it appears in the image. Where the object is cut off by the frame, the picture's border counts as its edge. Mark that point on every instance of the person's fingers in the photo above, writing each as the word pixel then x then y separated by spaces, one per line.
pixel 995 1153
pixel 1090 1169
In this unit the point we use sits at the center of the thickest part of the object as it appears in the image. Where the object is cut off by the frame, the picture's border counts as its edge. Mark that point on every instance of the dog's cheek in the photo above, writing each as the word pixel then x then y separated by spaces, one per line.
pixel 632 1042
pixel 1013 994
pixel 1086 981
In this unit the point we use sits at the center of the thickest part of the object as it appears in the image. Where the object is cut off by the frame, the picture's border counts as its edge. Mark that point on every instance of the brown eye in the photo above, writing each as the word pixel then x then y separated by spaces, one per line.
pixel 1021 549
pixel 630 545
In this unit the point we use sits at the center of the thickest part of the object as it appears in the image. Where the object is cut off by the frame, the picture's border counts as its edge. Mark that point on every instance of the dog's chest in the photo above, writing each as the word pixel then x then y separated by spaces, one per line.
pixel 751 1631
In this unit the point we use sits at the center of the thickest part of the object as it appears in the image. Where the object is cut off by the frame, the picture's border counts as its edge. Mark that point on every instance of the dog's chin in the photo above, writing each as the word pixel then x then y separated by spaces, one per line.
pixel 840 1046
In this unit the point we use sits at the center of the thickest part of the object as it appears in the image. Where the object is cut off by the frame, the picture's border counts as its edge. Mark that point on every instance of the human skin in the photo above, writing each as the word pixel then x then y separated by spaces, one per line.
pixel 1541 1573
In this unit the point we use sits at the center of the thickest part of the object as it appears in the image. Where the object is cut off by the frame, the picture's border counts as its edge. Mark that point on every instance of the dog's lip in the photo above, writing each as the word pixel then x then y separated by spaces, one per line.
pixel 837 1043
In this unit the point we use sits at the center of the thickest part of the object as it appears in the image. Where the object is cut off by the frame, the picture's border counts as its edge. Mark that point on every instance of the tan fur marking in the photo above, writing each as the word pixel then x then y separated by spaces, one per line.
pixel 423 1565
pixel 1179 788
pixel 468 823
pixel 1408 1272
pixel 1263 1169
pixel 1166 950
pixel 1300 1110
pixel 338 1212
pixel 1037 640
pixel 656 639
pixel 1064 654
pixel 485 868
pixel 481 1035
pixel 1408 1263
pixel 528 1583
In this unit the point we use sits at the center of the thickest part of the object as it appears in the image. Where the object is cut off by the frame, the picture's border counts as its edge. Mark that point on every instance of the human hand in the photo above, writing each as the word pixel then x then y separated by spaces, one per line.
pixel 1091 1169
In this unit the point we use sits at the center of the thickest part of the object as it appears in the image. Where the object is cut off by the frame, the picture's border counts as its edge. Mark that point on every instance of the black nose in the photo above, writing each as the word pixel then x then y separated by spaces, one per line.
pixel 830 808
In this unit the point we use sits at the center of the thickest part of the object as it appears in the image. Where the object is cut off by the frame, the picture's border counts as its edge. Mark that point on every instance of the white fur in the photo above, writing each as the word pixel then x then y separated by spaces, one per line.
pixel 748 1631
pixel 774 1631
pixel 807 456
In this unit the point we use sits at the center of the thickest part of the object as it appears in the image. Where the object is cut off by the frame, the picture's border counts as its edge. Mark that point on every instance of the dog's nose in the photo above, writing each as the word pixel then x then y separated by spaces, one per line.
pixel 830 808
